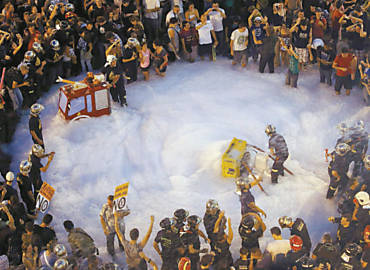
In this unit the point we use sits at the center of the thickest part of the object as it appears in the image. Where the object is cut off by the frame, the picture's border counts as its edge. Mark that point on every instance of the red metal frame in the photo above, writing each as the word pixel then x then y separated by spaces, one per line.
pixel 76 91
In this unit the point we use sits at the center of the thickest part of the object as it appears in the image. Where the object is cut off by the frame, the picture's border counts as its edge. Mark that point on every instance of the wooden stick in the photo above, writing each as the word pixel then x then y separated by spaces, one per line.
pixel 255 178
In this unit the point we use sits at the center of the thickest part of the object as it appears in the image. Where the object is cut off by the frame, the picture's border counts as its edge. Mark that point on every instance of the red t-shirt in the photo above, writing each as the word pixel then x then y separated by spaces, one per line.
pixel 344 62
pixel 317 30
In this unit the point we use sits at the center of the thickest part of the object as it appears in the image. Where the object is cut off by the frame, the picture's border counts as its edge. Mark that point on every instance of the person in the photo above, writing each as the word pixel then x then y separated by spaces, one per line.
pixel 349 258
pixel 244 261
pixel 209 220
pixel 326 250
pixel 342 64
pixel 239 44
pixel 81 242
pixel 338 168
pixel 129 59
pixel 364 68
pixel 278 149
pixel 275 252
pixel 85 46
pixel 206 33
pixel 37 153
pixel 135 257
pixel 173 32
pixel 250 233
pixel 268 50
pixel 302 39
pixel 295 254
pixel 223 258
pixel 144 56
pixel 115 78
pixel 216 16
pixel 293 68
pixel 325 58
pixel 14 80
pixel 192 242
pixel 174 13
pixel 7 190
pixel 359 144
pixel 171 247
pixel 189 41
pixel 246 198
pixel 44 233
pixel 35 126
pixel 258 30
pixel 160 58
pixel 151 19
pixel 192 15
pixel 47 257
pixel 299 228
pixel 25 185
pixel 346 229
pixel 108 223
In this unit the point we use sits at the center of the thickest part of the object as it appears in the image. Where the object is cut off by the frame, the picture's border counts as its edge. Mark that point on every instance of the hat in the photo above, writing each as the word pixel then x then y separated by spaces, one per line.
pixel 110 59
pixel 258 18
pixel 9 176
pixel 36 108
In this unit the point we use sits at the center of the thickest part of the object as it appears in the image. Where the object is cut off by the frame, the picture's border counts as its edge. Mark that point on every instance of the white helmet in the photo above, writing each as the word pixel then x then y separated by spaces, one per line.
pixel 61 264
pixel 342 149
pixel 270 129
pixel 110 59
pixel 25 166
pixel 9 176
pixel 60 250
pixel 367 162
pixel 36 108
pixel 37 150
pixel 362 197
pixel 317 42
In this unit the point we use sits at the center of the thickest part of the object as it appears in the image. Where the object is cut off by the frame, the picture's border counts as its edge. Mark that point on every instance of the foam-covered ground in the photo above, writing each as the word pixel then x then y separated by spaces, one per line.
pixel 169 147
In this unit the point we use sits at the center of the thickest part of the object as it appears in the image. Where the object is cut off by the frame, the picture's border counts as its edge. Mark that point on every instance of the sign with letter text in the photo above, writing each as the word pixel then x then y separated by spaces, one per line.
pixel 119 200
pixel 44 197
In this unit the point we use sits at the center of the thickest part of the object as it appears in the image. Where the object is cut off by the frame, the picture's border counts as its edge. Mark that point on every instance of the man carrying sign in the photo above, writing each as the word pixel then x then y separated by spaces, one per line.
pixel 108 224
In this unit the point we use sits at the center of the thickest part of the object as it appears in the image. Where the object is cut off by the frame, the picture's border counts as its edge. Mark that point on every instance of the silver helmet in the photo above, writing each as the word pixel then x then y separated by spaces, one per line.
pixel 60 250
pixel 36 108
pixel 9 176
pixel 285 221
pixel 29 56
pixel 270 129
pixel 25 166
pixel 55 45
pixel 70 7
pixel 212 204
pixel 37 47
pixel 37 150
pixel 61 264
pixel 342 149
pixel 343 128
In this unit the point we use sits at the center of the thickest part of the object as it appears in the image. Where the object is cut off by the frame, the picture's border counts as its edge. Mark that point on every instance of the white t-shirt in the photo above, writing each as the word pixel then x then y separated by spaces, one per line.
pixel 151 4
pixel 205 33
pixel 216 20
pixel 278 247
pixel 239 39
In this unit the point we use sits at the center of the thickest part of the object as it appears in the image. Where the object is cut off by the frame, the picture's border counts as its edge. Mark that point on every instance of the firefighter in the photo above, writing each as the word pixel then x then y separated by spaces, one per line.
pixel 250 232
pixel 179 218
pixel 192 242
pixel 113 74
pixel 338 168
pixel 35 157
pixel 35 126
pixel 279 150
pixel 25 185
pixel 209 220
pixel 223 258
pixel 170 249
pixel 6 189
pixel 359 145
pixel 298 227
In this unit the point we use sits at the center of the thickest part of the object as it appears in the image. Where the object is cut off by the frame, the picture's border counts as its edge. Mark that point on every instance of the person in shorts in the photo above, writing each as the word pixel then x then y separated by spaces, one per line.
pixel 238 45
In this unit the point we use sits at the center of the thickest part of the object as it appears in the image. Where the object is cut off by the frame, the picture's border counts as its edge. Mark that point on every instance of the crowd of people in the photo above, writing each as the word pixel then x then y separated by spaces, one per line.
pixel 43 39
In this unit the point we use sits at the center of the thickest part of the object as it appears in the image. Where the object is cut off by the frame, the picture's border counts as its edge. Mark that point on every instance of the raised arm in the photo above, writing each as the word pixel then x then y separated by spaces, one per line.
pixel 148 233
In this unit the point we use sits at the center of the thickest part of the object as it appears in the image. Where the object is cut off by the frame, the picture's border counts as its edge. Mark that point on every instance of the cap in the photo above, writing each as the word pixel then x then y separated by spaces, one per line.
pixel 258 18
pixel 110 59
